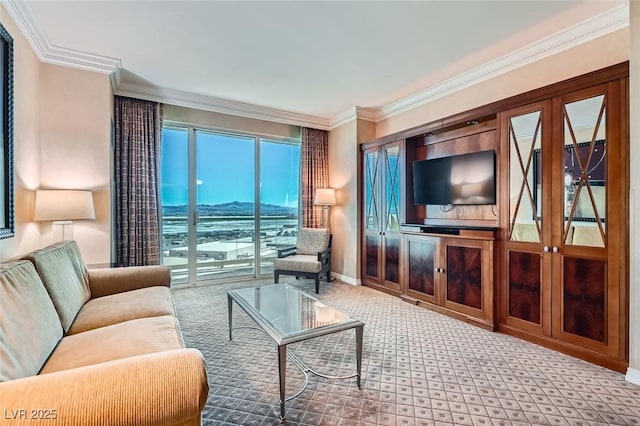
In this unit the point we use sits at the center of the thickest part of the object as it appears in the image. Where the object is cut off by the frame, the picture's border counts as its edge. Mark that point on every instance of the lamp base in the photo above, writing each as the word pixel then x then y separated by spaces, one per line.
pixel 62 230
pixel 322 213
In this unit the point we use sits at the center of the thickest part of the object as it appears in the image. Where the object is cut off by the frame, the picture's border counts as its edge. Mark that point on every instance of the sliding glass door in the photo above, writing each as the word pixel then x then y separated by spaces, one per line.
pixel 220 221
pixel 279 189
pixel 224 205
pixel 174 196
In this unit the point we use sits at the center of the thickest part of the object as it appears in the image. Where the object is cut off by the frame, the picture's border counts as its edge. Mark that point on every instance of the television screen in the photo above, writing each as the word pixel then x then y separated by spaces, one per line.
pixel 460 179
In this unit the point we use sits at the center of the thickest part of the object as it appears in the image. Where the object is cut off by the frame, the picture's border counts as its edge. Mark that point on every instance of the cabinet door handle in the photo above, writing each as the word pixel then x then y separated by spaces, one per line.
pixel 546 249
pixel 555 249
pixel 438 270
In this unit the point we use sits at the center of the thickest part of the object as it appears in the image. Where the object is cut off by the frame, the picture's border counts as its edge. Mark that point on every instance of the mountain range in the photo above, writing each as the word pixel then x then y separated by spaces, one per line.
pixel 235 208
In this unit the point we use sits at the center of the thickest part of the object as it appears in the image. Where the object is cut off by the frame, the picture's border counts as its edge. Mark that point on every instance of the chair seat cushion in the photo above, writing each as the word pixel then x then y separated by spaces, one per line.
pixel 298 262
pixel 120 307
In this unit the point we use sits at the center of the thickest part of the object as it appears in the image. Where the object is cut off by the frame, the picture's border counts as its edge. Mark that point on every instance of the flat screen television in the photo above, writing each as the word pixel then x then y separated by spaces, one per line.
pixel 465 179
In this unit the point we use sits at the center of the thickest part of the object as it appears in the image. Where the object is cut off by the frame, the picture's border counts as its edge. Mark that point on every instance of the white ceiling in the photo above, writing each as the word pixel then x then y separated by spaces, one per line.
pixel 306 61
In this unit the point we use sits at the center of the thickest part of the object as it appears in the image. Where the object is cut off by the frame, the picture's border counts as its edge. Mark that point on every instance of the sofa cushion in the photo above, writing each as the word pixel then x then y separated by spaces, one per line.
pixel 312 240
pixel 64 274
pixel 29 325
pixel 120 307
pixel 135 337
pixel 298 262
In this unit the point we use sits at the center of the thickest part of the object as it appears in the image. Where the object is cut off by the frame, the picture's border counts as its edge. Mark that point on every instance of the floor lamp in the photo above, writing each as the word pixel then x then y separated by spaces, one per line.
pixel 325 197
pixel 62 206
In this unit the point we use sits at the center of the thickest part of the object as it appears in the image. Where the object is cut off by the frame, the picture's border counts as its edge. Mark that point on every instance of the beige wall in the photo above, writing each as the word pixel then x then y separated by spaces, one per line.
pixel 219 121
pixel 634 62
pixel 602 52
pixel 75 134
pixel 61 140
pixel 343 176
pixel 26 142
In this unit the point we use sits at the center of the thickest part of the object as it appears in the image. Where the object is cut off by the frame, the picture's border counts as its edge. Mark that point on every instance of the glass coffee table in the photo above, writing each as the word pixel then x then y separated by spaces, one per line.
pixel 288 315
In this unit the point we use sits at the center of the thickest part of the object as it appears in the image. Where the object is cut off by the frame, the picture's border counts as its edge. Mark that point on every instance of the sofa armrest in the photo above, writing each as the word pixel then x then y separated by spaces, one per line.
pixel 154 389
pixel 106 281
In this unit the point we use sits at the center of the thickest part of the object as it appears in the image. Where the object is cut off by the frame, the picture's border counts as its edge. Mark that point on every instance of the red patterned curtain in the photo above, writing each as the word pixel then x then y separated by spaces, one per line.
pixel 315 172
pixel 138 126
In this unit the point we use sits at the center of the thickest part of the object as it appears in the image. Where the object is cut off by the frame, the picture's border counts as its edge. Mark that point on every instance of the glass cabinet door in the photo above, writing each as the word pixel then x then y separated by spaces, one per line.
pixel 562 218
pixel 525 177
pixel 585 172
pixel 371 216
pixel 382 175
pixel 391 219
pixel 526 136
pixel 392 188
pixel 580 267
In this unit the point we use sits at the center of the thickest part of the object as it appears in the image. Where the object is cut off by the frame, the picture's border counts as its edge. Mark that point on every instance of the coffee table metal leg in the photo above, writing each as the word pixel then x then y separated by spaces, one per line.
pixel 282 365
pixel 229 312
pixel 359 331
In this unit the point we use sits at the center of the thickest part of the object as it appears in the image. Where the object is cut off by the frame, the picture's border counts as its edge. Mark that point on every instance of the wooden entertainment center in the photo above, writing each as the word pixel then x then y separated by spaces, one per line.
pixel 548 262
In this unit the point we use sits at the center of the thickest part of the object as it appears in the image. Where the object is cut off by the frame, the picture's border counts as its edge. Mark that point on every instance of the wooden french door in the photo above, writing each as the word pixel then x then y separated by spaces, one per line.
pixel 382 215
pixel 526 291
pixel 564 245
pixel 586 233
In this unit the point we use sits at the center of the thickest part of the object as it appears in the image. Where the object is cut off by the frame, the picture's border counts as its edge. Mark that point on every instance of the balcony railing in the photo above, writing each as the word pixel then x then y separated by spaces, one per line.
pixel 225 245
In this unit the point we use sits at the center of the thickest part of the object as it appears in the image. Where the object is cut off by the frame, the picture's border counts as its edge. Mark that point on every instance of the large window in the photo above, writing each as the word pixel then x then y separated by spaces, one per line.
pixel 220 221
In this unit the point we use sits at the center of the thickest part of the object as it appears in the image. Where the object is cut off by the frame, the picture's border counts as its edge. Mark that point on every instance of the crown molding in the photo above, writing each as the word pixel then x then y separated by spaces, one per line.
pixel 26 20
pixel 590 29
pixel 352 113
pixel 598 26
pixel 219 105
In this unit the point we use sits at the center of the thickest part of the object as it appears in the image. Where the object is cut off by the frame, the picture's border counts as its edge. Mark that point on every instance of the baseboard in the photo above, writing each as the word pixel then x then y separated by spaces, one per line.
pixel 633 376
pixel 345 279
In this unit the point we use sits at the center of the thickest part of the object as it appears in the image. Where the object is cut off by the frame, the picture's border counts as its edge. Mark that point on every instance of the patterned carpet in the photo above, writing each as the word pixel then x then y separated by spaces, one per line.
pixel 418 368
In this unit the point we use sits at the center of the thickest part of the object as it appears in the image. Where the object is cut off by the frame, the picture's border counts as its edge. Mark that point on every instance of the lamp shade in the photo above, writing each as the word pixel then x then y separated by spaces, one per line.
pixel 325 197
pixel 63 204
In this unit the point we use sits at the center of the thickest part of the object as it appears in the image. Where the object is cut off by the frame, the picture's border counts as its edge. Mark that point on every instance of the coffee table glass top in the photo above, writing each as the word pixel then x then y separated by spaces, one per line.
pixel 289 315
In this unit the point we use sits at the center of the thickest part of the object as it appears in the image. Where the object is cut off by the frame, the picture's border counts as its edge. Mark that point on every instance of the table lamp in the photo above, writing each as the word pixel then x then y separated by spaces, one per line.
pixel 325 197
pixel 63 206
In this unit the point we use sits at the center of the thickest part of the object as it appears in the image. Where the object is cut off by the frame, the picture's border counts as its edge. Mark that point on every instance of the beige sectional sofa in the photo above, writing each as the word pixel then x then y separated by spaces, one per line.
pixel 85 346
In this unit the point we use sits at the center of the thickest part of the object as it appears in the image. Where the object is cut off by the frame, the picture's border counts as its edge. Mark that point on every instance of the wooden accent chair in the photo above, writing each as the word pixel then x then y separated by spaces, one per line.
pixel 310 258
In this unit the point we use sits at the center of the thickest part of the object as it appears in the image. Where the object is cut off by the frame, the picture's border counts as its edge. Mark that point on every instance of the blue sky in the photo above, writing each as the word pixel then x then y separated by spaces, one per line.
pixel 226 169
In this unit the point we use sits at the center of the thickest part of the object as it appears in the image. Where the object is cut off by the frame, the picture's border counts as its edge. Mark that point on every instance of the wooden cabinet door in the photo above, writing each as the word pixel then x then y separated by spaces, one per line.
pixel 467 277
pixel 422 256
pixel 372 228
pixel 390 214
pixel 525 292
pixel 586 225
pixel 563 257
pixel 382 215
